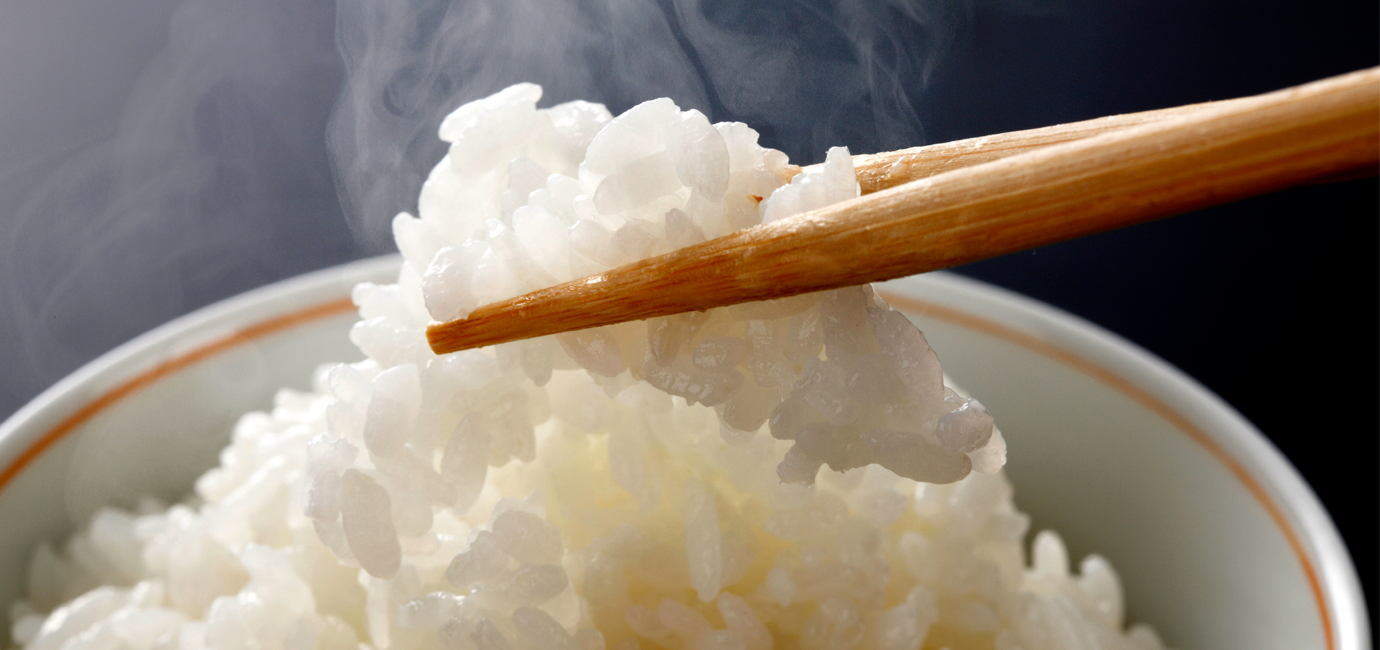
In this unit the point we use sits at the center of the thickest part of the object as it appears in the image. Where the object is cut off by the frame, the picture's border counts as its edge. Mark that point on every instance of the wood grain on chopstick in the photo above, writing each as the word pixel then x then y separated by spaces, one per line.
pixel 880 171
pixel 1187 159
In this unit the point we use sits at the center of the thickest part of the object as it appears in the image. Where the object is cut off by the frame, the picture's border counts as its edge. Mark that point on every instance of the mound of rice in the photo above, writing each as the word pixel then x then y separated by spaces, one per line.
pixel 655 484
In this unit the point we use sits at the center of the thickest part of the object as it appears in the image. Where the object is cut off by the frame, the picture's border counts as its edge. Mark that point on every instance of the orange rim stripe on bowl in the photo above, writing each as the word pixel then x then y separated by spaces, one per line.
pixel 168 367
pixel 931 310
pixel 1119 384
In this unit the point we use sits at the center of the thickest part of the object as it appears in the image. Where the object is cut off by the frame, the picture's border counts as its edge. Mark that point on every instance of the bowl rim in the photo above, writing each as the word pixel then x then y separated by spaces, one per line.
pixel 1045 330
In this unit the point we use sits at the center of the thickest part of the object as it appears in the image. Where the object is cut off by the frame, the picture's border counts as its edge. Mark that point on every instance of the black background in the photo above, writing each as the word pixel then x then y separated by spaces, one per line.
pixel 1271 302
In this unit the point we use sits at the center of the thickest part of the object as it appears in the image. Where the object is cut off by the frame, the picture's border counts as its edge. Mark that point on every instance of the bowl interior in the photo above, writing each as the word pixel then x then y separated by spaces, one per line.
pixel 1217 540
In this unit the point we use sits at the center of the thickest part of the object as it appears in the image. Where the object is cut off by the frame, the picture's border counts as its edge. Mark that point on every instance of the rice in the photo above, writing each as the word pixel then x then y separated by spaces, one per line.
pixel 657 484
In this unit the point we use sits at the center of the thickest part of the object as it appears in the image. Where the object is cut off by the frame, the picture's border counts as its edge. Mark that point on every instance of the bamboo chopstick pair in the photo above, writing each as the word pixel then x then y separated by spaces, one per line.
pixel 943 205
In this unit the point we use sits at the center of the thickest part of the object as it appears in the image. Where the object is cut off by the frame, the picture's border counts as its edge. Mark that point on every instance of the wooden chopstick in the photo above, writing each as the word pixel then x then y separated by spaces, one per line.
pixel 1148 167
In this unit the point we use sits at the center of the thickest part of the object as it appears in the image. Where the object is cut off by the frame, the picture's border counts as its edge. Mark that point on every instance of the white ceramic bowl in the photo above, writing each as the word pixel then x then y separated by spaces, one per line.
pixel 1218 541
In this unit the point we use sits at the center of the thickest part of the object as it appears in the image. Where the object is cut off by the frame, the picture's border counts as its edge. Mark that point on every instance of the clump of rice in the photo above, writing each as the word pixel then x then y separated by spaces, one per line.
pixel 648 485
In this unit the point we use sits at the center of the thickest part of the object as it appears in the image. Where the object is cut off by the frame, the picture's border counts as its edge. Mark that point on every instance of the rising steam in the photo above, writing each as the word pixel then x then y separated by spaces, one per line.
pixel 211 179
pixel 806 74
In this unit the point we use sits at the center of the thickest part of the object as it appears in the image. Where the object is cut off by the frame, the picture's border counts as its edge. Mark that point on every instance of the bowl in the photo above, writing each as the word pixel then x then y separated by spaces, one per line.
pixel 1217 539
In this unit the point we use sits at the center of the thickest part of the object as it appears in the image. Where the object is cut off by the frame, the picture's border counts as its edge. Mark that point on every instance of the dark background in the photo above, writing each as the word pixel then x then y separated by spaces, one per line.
pixel 1271 302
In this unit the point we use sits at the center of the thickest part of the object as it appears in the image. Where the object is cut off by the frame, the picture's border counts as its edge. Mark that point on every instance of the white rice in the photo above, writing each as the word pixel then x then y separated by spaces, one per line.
pixel 648 485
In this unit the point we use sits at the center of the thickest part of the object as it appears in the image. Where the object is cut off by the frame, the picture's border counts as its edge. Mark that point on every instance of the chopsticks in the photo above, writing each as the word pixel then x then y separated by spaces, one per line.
pixel 935 207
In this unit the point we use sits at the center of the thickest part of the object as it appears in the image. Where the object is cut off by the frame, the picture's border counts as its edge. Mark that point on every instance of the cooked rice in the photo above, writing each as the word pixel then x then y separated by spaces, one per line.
pixel 656 484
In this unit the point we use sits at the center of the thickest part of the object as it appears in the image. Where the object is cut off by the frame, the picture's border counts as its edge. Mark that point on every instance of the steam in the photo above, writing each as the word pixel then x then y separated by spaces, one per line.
pixel 411 62
pixel 806 75
pixel 210 179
